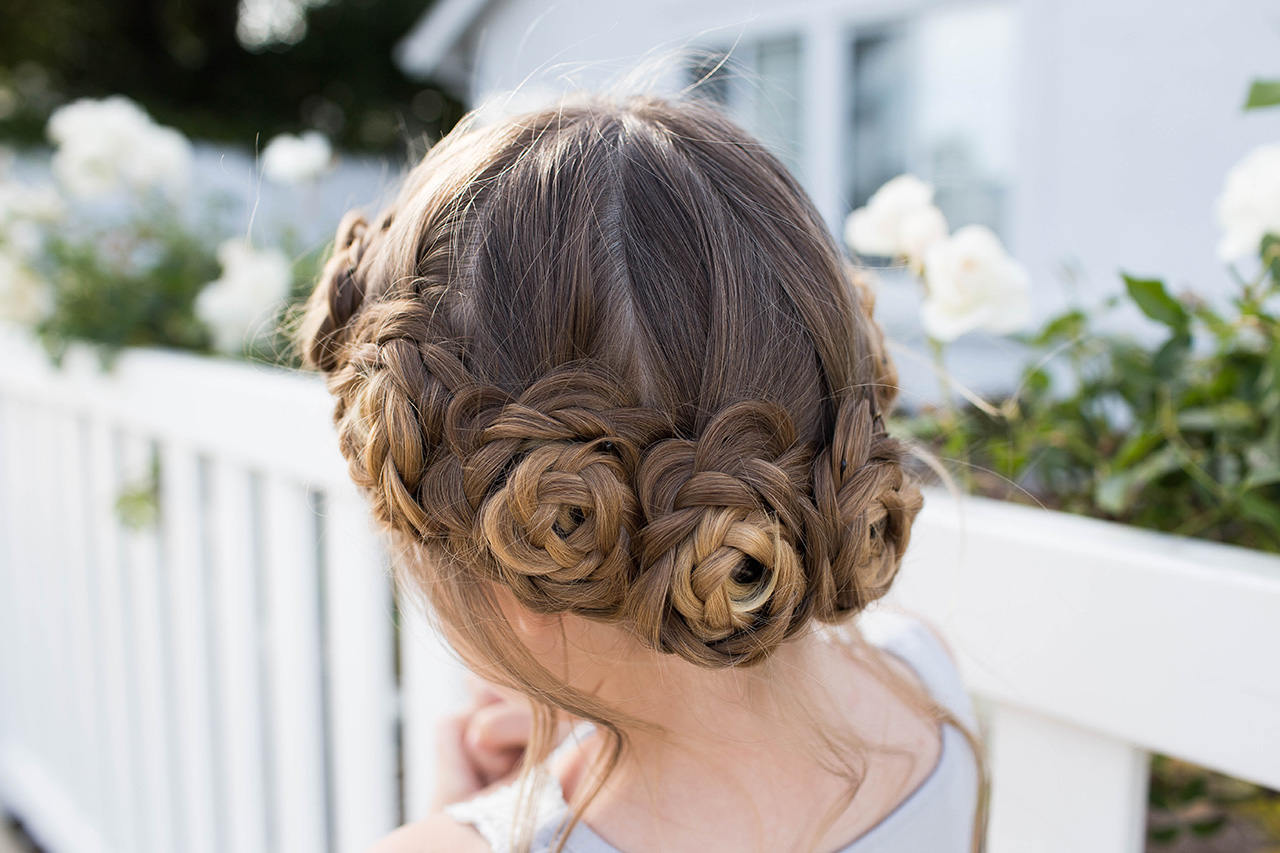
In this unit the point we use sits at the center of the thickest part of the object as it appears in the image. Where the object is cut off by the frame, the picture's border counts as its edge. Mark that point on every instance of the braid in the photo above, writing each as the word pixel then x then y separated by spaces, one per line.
pixel 868 502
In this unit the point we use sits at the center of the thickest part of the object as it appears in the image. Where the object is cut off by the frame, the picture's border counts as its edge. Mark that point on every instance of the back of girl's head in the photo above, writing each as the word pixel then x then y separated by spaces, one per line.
pixel 608 358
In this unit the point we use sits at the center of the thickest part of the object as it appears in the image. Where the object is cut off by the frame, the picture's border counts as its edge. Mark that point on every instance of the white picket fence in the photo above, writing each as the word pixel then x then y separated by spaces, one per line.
pixel 237 676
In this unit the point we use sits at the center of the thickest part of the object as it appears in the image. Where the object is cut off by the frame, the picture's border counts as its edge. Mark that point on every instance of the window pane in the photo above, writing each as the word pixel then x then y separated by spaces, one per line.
pixel 760 86
pixel 962 123
pixel 934 96
pixel 776 105
pixel 880 118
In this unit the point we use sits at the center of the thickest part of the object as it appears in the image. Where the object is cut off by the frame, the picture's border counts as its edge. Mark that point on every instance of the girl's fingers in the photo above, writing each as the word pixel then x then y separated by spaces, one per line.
pixel 498 727
pixel 495 738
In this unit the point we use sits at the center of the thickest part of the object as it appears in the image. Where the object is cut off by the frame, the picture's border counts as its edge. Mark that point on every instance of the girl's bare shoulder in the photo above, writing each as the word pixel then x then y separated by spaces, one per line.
pixel 437 834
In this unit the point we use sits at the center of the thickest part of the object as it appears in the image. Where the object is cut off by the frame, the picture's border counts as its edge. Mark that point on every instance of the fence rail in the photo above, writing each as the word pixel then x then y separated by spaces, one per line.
pixel 217 662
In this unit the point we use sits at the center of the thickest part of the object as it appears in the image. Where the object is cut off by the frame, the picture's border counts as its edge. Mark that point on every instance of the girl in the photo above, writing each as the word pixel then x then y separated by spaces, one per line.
pixel 611 388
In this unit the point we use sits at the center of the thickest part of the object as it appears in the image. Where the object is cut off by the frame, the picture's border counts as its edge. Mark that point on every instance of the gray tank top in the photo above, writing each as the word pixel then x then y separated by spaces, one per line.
pixel 937 816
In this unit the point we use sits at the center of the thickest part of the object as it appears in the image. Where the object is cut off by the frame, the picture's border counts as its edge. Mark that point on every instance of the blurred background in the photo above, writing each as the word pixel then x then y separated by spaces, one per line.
pixel 1091 137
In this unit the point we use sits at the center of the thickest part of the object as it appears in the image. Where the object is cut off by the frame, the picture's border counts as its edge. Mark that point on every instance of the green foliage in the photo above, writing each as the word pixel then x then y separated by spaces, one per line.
pixel 134 285
pixel 1190 802
pixel 183 60
pixel 1182 435
pixel 138 503
pixel 1263 93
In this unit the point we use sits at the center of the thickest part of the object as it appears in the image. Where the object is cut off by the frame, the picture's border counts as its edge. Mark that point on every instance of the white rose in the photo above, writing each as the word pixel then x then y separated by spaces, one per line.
pixel 1249 207
pixel 103 145
pixel 899 221
pixel 289 159
pixel 24 298
pixel 972 283
pixel 247 298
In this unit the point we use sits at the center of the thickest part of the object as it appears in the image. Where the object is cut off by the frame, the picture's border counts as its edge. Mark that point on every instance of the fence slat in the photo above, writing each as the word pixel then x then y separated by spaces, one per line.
pixel 46 526
pixel 239 693
pixel 83 736
pixel 295 695
pixel 123 791
pixel 150 648
pixel 361 680
pixel 21 629
pixel 1059 789
pixel 181 509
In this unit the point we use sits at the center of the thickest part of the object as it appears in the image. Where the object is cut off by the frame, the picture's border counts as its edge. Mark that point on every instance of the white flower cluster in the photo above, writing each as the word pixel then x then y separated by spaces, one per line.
pixel 249 295
pixel 970 281
pixel 289 159
pixel 1249 207
pixel 899 221
pixel 103 145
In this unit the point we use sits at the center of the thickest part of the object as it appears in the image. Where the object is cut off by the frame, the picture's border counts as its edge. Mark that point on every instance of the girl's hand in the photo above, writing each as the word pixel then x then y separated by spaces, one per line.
pixel 481 746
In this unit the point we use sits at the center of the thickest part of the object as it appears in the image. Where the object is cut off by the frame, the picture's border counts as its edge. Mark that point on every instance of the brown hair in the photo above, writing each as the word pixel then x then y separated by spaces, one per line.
pixel 608 357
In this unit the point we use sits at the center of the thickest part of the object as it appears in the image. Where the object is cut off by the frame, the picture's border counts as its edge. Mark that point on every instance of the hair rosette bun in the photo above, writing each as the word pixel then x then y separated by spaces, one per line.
pixel 558 514
pixel 723 580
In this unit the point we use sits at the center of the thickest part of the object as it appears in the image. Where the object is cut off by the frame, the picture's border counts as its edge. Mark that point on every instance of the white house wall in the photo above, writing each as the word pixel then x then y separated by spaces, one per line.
pixel 1128 111
pixel 1131 120
pixel 1126 117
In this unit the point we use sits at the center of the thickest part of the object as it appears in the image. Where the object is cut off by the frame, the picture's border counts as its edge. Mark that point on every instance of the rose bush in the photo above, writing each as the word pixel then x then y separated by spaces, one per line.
pixel 104 145
pixel 114 254
pixel 253 288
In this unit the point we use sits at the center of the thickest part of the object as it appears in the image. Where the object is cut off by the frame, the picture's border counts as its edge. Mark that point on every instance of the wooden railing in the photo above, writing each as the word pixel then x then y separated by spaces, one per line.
pixel 220 664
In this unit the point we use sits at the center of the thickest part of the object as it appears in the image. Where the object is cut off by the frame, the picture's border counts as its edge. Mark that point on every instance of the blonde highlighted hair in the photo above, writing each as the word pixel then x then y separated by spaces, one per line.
pixel 607 357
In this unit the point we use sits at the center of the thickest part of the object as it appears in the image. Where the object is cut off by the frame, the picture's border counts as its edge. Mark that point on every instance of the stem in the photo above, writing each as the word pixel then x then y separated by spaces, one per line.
pixel 950 409
pixel 938 350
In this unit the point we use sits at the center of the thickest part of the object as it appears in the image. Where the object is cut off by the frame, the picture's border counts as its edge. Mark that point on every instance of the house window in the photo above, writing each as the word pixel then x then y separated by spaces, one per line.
pixel 934 95
pixel 760 85
pixel 879 117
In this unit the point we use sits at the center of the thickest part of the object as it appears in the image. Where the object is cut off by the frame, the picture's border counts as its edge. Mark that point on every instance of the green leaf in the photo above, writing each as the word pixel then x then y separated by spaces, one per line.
pixel 1169 358
pixel 1114 494
pixel 1270 252
pixel 1232 414
pixel 1258 509
pixel 1263 93
pixel 1138 445
pixel 1064 327
pixel 1151 296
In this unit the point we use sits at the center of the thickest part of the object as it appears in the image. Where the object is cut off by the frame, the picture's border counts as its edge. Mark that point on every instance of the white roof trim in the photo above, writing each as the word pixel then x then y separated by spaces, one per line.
pixel 421 52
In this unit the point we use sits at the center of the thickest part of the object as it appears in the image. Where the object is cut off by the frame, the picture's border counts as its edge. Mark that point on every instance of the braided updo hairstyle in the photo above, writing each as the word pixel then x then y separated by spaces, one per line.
pixel 608 357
